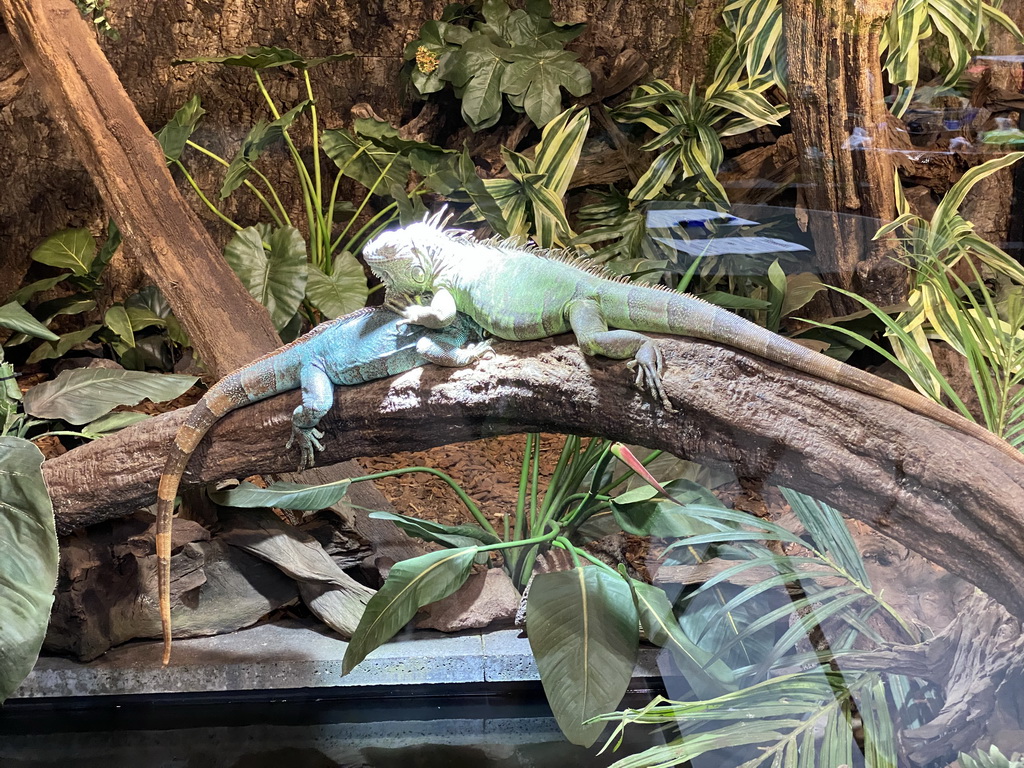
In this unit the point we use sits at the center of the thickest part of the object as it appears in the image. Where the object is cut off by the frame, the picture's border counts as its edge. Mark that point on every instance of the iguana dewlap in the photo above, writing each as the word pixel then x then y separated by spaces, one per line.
pixel 366 345
pixel 522 292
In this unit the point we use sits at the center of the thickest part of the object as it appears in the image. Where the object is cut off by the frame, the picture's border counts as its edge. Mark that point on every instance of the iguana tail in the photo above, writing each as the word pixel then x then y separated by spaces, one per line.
pixel 675 313
pixel 222 398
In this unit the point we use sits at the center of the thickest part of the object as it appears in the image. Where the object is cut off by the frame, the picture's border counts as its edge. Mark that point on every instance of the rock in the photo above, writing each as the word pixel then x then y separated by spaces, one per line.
pixel 486 597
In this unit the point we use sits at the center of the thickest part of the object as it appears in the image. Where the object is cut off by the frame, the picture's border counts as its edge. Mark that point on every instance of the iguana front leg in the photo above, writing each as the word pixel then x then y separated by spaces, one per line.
pixel 317 399
pixel 594 338
pixel 438 314
pixel 442 352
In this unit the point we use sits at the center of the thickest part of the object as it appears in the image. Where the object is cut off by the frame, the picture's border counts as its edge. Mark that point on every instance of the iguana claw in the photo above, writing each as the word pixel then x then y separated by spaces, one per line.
pixel 308 440
pixel 648 363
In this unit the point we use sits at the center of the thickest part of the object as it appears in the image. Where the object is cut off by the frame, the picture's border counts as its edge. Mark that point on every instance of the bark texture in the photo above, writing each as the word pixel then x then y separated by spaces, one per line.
pixel 948 497
pixel 835 86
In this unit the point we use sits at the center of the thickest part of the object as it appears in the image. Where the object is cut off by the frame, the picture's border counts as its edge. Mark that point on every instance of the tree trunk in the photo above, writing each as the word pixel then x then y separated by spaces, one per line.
pixel 835 86
pixel 947 496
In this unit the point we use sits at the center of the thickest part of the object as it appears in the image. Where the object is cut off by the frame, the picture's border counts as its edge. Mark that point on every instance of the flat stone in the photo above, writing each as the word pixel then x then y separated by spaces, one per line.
pixel 293 654
pixel 486 598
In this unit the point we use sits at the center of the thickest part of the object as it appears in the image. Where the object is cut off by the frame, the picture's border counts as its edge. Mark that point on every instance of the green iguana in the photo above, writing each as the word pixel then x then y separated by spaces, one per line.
pixel 521 292
pixel 369 344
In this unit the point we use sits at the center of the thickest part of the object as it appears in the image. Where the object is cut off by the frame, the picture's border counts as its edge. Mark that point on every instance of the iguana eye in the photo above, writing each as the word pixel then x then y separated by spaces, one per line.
pixel 418 273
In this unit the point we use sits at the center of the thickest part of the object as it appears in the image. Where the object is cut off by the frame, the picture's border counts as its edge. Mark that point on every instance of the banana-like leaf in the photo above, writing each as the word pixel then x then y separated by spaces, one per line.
pixel 707 679
pixel 72 249
pixel 82 395
pixel 410 585
pixel 283 495
pixel 583 630
pixel 644 512
pixel 14 316
pixel 28 560
pixel 49 350
pixel 341 292
pixel 453 536
pixel 277 276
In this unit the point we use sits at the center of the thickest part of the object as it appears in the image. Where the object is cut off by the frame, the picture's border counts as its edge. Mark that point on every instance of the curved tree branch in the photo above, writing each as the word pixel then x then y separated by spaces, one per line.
pixel 954 500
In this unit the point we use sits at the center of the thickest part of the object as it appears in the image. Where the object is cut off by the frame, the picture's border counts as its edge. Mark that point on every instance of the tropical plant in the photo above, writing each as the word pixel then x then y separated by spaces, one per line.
pixel 689 127
pixel 530 202
pixel 492 54
pixel 96 12
pixel 28 558
pixel 994 758
pixel 981 323
pixel 271 258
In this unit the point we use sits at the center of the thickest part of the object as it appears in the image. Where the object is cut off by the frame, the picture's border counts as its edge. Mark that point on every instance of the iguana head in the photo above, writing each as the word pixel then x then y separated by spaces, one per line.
pixel 404 259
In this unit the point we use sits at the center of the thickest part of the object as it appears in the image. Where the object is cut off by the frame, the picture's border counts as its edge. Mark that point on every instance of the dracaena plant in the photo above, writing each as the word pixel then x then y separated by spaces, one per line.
pixel 492 54
pixel 981 322
pixel 689 126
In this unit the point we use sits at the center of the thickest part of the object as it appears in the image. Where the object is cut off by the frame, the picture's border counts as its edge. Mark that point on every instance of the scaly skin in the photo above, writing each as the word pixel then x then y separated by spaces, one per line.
pixel 521 293
pixel 369 344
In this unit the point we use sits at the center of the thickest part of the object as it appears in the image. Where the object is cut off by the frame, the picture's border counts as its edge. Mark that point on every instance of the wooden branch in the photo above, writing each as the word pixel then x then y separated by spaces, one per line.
pixel 947 496
pixel 59 49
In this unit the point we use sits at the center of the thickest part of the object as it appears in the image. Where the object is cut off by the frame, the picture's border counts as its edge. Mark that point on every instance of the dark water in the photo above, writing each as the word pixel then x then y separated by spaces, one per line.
pixel 509 729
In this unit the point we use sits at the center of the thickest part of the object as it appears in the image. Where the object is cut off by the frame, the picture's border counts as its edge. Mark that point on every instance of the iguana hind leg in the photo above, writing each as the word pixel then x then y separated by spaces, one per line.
pixel 594 338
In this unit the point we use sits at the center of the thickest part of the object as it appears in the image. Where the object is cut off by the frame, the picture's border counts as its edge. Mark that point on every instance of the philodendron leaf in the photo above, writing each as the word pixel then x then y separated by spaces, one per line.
pixel 15 317
pixel 172 137
pixel 265 57
pixel 583 628
pixel 283 495
pixel 28 560
pixel 342 291
pixel 411 584
pixel 448 535
pixel 262 135
pixel 644 512
pixel 662 629
pixel 84 394
pixel 276 277
pixel 72 249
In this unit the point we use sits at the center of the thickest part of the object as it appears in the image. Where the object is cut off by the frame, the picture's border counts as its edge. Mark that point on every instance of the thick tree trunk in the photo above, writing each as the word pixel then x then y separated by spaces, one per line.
pixel 954 500
pixel 127 165
pixel 835 87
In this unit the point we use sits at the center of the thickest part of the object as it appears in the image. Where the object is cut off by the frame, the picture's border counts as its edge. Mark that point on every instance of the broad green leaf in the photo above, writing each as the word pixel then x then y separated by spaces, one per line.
pixel 644 512
pixel 476 72
pixel 661 627
pixel 15 317
pixel 72 249
pixel 117 320
pixel 262 135
pixel 410 585
pixel 372 166
pixel 49 350
pixel 267 56
pixel 10 397
pixel 172 137
pixel 536 77
pixel 583 630
pixel 448 535
pixel 275 277
pixel 113 422
pixel 28 560
pixel 82 395
pixel 283 495
pixel 341 292
pixel 23 294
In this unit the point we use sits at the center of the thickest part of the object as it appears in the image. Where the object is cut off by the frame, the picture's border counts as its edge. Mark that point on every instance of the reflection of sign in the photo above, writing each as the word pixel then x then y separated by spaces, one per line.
pixel 721 246
pixel 666 218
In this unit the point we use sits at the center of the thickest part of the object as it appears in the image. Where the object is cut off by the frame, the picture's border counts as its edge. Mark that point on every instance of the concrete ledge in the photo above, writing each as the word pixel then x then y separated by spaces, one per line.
pixel 294 654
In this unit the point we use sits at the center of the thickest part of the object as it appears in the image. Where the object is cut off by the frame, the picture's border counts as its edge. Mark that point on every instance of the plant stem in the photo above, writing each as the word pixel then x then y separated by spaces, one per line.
pixel 316 137
pixel 204 198
pixel 249 185
pixel 473 509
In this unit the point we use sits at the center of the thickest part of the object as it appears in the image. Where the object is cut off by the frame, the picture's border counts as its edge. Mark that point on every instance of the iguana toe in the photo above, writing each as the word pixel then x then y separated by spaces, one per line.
pixel 648 363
